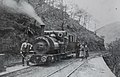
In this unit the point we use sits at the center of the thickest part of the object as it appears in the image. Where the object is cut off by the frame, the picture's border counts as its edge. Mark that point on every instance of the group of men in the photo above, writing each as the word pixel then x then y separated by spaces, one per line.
pixel 82 50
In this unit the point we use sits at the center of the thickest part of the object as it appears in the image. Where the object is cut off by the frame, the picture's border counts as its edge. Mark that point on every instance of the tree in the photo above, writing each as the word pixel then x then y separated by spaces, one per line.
pixel 63 8
pixel 114 59
pixel 80 15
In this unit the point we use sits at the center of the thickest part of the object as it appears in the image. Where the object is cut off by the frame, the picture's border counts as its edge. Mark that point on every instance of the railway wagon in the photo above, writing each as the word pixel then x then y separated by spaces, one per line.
pixel 51 46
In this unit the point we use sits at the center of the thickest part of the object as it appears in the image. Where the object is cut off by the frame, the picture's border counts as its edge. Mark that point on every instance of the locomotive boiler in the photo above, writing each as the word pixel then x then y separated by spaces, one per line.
pixel 51 46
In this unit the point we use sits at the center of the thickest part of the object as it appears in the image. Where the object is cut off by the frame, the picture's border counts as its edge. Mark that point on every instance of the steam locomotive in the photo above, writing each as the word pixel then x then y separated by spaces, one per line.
pixel 51 46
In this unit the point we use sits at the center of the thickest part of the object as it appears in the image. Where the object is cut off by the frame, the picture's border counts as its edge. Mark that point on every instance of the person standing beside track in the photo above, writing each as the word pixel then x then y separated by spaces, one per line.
pixel 86 49
pixel 81 50
pixel 25 48
pixel 77 49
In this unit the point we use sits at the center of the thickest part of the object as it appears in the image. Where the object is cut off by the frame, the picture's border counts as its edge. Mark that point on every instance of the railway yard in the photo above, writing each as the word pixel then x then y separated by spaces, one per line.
pixel 65 68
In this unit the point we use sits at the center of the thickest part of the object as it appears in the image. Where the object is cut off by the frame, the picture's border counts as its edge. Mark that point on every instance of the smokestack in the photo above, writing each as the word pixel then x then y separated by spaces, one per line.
pixel 42 29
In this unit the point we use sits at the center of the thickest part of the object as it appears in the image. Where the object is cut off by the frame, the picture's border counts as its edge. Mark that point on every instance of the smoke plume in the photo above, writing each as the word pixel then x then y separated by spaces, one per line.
pixel 20 6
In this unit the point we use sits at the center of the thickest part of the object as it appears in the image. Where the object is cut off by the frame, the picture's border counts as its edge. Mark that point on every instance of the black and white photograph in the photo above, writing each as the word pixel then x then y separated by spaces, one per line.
pixel 59 38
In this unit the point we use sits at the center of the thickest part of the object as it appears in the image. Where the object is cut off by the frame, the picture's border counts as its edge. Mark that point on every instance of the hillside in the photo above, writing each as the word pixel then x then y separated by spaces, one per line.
pixel 13 27
pixel 111 32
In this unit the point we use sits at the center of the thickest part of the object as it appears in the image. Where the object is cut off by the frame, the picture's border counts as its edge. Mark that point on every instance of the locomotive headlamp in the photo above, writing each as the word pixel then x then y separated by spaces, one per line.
pixel 44 58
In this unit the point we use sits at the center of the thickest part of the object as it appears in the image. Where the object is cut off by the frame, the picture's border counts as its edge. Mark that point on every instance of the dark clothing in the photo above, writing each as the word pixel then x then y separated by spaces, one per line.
pixel 86 52
pixel 24 54
pixel 77 54
pixel 77 50
pixel 25 48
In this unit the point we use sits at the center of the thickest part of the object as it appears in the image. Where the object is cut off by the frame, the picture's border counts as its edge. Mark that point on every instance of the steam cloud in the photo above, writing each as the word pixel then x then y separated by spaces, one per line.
pixel 21 6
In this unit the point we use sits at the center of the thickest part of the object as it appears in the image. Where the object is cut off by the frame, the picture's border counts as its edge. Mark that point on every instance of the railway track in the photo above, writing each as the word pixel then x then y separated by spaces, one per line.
pixel 62 68
pixel 65 67
pixel 68 65
pixel 30 69
pixel 74 70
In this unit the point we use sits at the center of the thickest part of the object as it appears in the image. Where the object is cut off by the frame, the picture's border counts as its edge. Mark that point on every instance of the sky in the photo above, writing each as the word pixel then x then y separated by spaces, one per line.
pixel 103 11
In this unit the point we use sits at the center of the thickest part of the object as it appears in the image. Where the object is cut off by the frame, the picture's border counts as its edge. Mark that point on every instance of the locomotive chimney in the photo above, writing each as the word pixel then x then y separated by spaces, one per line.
pixel 42 29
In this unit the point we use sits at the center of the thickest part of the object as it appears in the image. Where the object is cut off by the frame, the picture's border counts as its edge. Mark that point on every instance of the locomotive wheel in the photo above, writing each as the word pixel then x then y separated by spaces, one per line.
pixel 57 58
pixel 64 56
pixel 53 59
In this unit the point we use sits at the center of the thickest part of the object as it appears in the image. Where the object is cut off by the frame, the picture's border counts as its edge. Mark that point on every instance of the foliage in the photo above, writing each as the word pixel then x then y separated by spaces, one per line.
pixel 114 57
pixel 13 26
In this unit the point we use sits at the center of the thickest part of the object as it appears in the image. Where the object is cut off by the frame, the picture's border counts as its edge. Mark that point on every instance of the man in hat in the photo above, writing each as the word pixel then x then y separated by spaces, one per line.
pixel 86 49
pixel 25 48
pixel 77 49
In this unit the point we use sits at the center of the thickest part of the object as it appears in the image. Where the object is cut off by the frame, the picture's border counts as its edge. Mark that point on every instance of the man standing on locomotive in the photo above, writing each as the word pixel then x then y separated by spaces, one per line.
pixel 25 48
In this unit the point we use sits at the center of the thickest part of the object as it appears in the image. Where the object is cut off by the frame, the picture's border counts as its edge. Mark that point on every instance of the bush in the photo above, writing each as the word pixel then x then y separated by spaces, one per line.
pixel 113 60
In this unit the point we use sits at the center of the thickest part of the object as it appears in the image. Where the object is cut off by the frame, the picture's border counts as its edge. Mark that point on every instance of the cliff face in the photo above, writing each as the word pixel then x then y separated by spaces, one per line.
pixel 13 27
